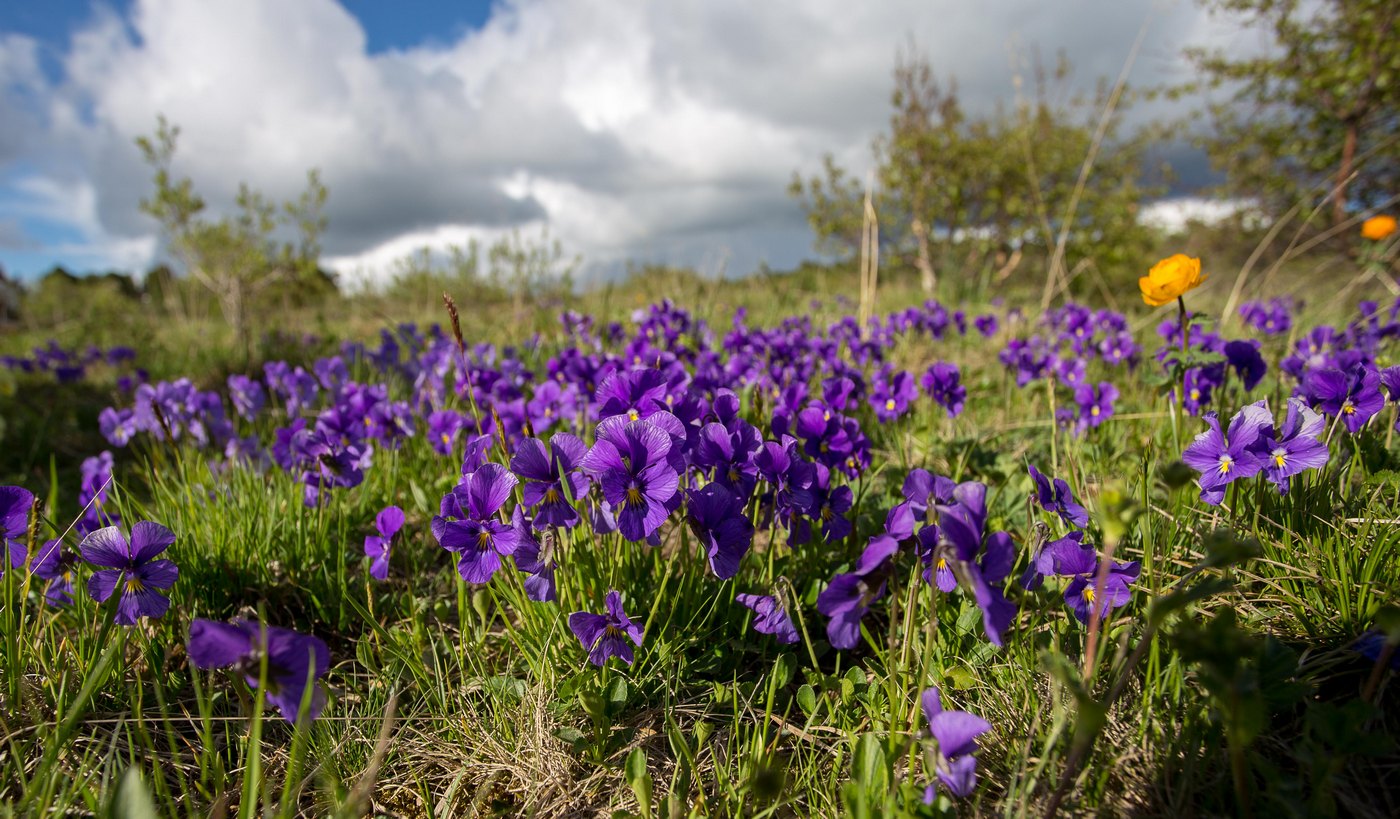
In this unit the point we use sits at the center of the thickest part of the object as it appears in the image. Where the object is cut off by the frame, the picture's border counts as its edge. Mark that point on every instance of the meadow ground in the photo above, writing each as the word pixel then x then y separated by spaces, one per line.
pixel 1155 653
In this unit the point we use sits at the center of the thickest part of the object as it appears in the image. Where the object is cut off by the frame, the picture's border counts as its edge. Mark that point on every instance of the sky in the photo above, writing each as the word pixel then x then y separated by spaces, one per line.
pixel 662 132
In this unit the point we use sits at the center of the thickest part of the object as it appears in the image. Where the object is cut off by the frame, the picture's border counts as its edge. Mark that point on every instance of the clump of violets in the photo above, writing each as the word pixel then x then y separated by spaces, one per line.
pixel 294 661
pixel 16 504
pixel 770 617
pixel 130 569
pixel 378 546
pixel 956 733
pixel 606 635
pixel 1055 497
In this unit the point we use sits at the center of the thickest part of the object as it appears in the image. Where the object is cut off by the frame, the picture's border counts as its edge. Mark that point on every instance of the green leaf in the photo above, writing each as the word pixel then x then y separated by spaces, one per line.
pixel 134 800
pixel 959 678
pixel 784 668
pixel 617 695
pixel 420 498
pixel 869 766
pixel 636 766
pixel 594 706
pixel 807 699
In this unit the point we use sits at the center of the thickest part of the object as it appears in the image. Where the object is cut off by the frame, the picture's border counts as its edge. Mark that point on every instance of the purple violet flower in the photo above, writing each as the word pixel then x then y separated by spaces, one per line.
pixel 629 461
pixel 544 471
pixel 848 597
pixel 443 428
pixel 770 617
pixel 1056 497
pixel 16 504
pixel 1081 563
pixel 1223 457
pixel 891 395
pixel 979 560
pixel 133 565
pixel 717 519
pixel 247 395
pixel 1354 395
pixel 535 560
pixel 1095 404
pixel 477 536
pixel 956 733
pixel 602 635
pixel 633 394
pixel 1244 358
pixel 294 661
pixel 943 383
pixel 378 546
pixel 1295 446
pixel 55 564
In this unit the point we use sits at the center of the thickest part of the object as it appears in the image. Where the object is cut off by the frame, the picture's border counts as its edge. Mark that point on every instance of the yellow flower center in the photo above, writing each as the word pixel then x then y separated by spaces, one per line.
pixel 1089 593
pixel 632 415
pixel 551 495
pixel 634 497
pixel 1094 411
pixel 1195 395
pixel 1349 408
pixel 134 584
pixel 889 405
pixel 1225 463
pixel 446 438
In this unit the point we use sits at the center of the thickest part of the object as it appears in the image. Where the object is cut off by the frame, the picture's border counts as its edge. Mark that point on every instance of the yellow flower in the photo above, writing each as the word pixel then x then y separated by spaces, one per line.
pixel 1378 228
pixel 1169 278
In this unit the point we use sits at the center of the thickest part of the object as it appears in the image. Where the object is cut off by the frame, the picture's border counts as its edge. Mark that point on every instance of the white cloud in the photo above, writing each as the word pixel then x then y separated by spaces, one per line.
pixel 644 130
pixel 1173 216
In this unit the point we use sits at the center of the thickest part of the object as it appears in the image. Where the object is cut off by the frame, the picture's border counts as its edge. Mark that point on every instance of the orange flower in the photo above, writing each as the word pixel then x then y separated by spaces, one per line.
pixel 1378 228
pixel 1170 278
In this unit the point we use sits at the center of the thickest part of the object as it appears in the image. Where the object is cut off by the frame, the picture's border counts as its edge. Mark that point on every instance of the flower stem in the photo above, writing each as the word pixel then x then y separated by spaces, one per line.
pixel 1185 334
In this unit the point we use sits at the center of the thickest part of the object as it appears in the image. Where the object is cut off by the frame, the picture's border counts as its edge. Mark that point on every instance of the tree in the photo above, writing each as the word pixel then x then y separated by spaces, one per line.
pixel 10 297
pixel 948 181
pixel 530 268
pixel 236 259
pixel 1320 109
